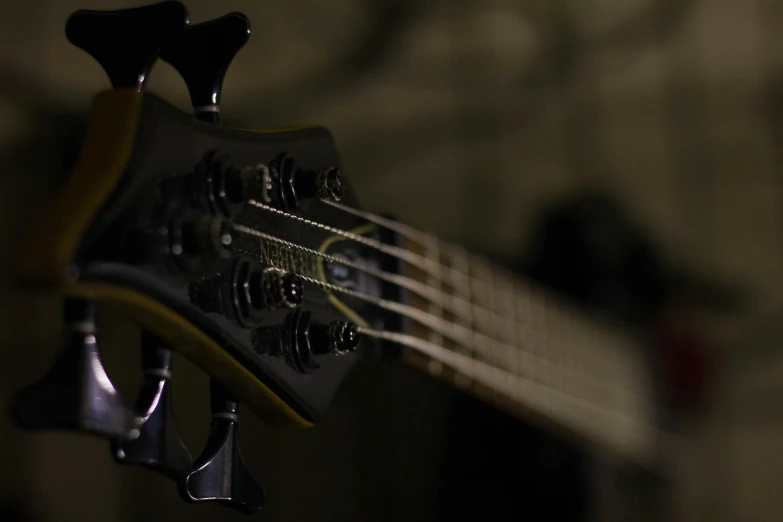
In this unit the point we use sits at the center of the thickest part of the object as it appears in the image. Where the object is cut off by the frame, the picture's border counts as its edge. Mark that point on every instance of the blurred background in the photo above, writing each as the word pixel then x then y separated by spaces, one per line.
pixel 478 121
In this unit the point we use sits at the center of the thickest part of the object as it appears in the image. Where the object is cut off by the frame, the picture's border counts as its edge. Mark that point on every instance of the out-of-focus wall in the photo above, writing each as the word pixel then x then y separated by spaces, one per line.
pixel 466 118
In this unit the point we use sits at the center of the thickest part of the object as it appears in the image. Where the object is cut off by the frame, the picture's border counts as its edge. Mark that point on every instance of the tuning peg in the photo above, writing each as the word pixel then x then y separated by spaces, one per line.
pixel 290 183
pixel 202 55
pixel 303 344
pixel 127 42
pixel 77 394
pixel 220 475
pixel 247 292
pixel 159 445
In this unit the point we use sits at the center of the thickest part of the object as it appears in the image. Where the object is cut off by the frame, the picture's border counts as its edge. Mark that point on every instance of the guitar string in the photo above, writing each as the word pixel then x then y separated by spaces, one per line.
pixel 488 373
pixel 451 330
pixel 490 348
pixel 423 238
pixel 390 224
pixel 427 240
pixel 435 269
pixel 423 264
pixel 430 242
pixel 422 316
pixel 395 251
pixel 445 355
pixel 450 302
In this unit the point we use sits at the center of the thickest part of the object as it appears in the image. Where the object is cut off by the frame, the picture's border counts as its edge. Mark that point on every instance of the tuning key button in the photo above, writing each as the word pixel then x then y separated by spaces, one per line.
pixel 255 290
pixel 338 338
pixel 226 185
pixel 290 184
pixel 195 241
pixel 159 445
pixel 127 42
pixel 220 475
pixel 77 394
pixel 302 343
pixel 202 54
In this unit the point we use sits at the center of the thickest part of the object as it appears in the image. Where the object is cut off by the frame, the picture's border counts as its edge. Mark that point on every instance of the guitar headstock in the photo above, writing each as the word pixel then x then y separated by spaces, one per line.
pixel 226 245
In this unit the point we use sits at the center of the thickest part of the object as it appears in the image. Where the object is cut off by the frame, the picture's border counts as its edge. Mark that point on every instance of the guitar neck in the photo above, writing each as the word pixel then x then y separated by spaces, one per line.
pixel 487 331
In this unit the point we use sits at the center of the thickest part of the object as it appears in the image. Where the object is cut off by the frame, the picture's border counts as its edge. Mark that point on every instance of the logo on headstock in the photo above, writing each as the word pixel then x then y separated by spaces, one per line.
pixel 288 258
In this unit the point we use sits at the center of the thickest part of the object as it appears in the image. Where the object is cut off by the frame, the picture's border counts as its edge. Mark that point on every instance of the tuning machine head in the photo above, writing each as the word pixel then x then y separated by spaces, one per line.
pixel 159 445
pixel 220 475
pixel 303 343
pixel 77 394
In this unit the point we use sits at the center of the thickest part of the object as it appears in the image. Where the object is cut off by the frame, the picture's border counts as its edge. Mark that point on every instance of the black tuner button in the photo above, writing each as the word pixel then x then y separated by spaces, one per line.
pixel 77 394
pixel 202 55
pixel 127 42
pixel 290 183
pixel 220 475
pixel 302 344
pixel 338 338
pixel 197 240
pixel 247 291
pixel 214 186
pixel 159 445
pixel 223 185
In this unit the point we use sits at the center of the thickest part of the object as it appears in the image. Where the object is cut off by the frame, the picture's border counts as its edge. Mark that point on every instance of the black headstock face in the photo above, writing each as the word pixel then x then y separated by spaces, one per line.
pixel 225 228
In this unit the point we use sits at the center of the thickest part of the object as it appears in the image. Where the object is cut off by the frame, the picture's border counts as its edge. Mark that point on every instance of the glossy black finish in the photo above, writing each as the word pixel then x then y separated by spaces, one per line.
pixel 171 144
pixel 219 475
pixel 77 394
pixel 127 42
pixel 202 55
pixel 159 445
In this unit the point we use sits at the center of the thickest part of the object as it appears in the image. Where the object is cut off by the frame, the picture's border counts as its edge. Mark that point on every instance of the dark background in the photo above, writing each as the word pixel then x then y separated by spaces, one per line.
pixel 467 118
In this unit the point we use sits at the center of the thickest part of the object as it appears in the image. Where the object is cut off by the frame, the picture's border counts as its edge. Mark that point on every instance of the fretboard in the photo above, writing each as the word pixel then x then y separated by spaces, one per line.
pixel 503 339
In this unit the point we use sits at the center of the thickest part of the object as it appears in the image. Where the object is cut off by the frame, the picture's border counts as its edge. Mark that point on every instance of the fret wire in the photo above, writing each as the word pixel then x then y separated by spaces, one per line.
pixel 433 280
pixel 458 265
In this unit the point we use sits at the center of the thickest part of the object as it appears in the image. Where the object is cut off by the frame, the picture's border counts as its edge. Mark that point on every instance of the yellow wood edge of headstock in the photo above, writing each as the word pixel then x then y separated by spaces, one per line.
pixel 187 339
pixel 49 248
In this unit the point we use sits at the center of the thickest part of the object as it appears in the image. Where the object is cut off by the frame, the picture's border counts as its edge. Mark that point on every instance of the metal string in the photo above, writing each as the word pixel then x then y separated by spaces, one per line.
pixel 488 347
pixel 427 240
pixel 391 250
pixel 420 262
pixel 447 301
pixel 624 423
